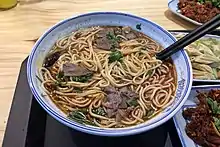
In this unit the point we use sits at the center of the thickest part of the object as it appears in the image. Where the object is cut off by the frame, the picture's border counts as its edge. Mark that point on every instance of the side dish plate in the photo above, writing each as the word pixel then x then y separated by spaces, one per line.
pixel 180 122
pixel 207 36
pixel 172 5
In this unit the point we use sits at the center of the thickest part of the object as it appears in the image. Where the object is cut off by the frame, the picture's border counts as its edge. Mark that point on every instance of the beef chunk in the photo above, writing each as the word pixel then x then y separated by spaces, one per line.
pixel 104 43
pixel 128 33
pixel 121 114
pixel 70 69
pixel 125 92
pixel 103 33
pixel 109 90
pixel 111 112
pixel 116 102
pixel 114 99
pixel 51 59
pixel 105 39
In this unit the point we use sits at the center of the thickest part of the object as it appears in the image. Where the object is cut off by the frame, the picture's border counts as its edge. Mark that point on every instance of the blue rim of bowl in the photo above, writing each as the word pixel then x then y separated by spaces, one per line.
pixel 98 131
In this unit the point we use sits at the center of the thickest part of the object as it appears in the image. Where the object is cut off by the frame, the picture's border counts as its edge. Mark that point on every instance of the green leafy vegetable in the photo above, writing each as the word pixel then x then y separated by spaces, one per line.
pixel 217 123
pixel 113 39
pixel 99 111
pixel 214 106
pixel 60 83
pixel 115 56
pixel 216 3
pixel 132 102
pixel 84 110
pixel 60 79
pixel 123 65
pixel 111 36
pixel 82 79
pixel 150 72
pixel 150 112
pixel 215 72
pixel 77 89
pixel 80 116
pixel 60 75
pixel 201 1
pixel 138 26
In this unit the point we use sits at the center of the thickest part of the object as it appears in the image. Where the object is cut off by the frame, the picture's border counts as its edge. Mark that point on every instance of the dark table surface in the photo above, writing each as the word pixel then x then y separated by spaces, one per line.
pixel 30 126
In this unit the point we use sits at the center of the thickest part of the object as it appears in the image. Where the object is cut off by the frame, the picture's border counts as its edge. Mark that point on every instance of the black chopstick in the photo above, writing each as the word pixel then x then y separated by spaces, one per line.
pixel 189 38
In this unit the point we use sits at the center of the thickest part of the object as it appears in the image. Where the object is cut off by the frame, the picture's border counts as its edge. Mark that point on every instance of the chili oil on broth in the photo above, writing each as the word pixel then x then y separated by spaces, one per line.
pixel 108 77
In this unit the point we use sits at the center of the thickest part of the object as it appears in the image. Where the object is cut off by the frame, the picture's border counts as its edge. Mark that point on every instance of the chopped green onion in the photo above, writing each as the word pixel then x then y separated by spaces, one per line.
pixel 132 102
pixel 80 116
pixel 82 79
pixel 99 111
pixel 115 56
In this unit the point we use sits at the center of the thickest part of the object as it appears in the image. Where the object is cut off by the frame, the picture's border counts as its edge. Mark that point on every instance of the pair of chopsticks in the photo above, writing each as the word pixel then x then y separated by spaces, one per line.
pixel 189 38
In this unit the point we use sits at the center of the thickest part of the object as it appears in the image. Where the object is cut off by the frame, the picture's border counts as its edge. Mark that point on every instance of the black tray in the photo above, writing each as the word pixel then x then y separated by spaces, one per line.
pixel 30 126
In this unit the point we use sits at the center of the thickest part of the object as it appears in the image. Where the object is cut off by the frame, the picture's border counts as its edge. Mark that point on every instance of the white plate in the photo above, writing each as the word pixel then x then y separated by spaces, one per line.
pixel 206 36
pixel 172 5
pixel 180 122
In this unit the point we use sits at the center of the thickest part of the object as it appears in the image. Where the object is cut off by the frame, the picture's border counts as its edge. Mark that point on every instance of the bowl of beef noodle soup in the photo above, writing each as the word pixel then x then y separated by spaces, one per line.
pixel 97 73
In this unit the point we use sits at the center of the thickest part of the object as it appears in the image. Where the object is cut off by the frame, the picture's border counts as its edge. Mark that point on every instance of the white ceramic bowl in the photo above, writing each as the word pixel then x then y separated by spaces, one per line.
pixel 44 44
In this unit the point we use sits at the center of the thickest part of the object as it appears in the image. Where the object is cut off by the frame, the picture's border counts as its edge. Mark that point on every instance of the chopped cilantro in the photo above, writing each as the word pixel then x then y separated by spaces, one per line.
pixel 60 79
pixel 216 3
pixel 99 111
pixel 115 56
pixel 113 39
pixel 132 102
pixel 80 116
pixel 111 36
pixel 150 72
pixel 77 89
pixel 82 79
pixel 150 112
pixel 60 75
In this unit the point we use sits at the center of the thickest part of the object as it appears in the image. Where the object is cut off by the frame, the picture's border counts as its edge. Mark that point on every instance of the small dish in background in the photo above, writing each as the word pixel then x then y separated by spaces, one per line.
pixel 180 121
pixel 173 7
pixel 213 73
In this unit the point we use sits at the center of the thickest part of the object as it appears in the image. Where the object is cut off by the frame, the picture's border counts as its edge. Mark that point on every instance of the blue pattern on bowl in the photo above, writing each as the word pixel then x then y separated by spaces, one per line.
pixel 42 46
